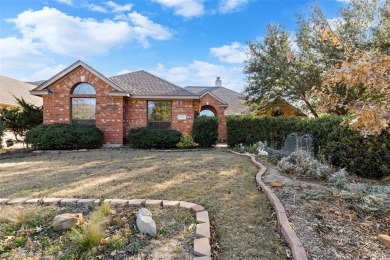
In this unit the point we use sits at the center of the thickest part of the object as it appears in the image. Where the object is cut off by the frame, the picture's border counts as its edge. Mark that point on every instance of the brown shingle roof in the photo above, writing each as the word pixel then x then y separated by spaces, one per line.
pixel 142 83
pixel 234 99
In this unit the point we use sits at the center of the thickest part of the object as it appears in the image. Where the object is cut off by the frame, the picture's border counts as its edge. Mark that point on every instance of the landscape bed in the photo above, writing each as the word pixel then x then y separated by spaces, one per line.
pixel 28 232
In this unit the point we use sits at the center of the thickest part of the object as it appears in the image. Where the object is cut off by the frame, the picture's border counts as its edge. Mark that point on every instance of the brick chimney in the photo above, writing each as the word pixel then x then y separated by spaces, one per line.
pixel 218 82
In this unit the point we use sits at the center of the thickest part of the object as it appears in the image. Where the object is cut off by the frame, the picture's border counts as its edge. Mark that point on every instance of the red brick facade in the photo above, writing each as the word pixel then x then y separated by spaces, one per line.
pixel 208 101
pixel 115 116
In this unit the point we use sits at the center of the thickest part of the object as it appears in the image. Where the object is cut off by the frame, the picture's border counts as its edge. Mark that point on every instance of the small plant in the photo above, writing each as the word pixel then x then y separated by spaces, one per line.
pixel 91 233
pixel 301 163
pixel 135 248
pixel 19 242
pixel 311 195
pixel 20 216
pixel 117 242
pixel 105 208
pixel 186 142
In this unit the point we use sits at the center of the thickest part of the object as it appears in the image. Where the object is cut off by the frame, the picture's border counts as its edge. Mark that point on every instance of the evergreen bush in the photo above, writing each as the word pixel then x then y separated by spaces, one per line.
pixel 153 138
pixel 205 130
pixel 186 142
pixel 64 136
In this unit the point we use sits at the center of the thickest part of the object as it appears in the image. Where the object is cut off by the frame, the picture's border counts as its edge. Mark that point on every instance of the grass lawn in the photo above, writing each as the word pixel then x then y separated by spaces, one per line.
pixel 222 182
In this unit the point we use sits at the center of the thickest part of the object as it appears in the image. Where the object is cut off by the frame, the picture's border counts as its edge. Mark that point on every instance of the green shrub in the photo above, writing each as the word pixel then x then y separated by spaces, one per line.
pixel 368 157
pixel 205 130
pixel 153 138
pixel 186 142
pixel 64 136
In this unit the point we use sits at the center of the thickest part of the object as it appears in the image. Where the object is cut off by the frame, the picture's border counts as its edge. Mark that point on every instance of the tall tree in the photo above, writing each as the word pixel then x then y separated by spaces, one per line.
pixel 275 69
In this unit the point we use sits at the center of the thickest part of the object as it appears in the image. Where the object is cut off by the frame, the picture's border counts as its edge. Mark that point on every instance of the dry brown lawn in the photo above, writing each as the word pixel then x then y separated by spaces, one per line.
pixel 223 182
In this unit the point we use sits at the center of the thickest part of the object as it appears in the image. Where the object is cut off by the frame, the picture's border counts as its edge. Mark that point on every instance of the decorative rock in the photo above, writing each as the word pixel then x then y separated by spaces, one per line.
pixel 385 240
pixel 202 258
pixel 153 202
pixel 203 230
pixel 197 208
pixel 276 184
pixel 145 223
pixel 119 202
pixel 202 247
pixel 202 217
pixel 16 201
pixel 68 201
pixel 48 201
pixel 86 202
pixel 66 221
pixel 169 203
pixel 187 205
pixel 136 202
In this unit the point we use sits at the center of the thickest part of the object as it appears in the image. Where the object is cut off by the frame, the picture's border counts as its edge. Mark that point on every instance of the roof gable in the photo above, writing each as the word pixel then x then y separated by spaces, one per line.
pixel 66 71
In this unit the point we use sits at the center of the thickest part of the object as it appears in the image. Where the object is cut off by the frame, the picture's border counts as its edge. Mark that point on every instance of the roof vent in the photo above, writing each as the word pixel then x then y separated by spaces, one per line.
pixel 218 82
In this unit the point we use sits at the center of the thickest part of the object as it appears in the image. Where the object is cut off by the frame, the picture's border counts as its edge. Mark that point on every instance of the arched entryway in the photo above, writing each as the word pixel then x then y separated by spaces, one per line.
pixel 208 111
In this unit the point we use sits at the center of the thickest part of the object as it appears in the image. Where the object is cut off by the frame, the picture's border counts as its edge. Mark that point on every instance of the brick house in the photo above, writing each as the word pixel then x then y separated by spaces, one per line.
pixel 81 95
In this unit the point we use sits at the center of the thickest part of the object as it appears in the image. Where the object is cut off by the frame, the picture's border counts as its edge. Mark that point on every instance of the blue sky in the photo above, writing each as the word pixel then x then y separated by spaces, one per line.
pixel 188 42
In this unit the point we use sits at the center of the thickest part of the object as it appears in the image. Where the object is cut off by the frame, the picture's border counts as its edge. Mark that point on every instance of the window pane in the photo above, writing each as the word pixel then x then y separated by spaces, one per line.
pixel 159 111
pixel 83 108
pixel 84 88
pixel 207 112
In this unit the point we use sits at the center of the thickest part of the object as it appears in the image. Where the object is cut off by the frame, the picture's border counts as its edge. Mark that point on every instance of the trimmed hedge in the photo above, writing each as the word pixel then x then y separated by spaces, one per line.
pixel 205 130
pixel 151 137
pixel 2 130
pixel 64 136
pixel 368 157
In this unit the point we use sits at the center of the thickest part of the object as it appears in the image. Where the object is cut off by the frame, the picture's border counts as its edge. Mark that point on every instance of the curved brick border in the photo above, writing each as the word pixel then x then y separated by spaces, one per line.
pixel 202 248
pixel 289 234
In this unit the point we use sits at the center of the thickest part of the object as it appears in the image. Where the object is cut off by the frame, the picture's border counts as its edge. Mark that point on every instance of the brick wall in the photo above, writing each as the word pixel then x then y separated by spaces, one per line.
pixel 183 107
pixel 210 101
pixel 109 110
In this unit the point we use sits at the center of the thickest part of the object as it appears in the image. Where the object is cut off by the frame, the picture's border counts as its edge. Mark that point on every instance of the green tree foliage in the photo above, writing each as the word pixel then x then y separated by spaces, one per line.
pixel 205 130
pixel 161 111
pixel 274 70
pixel 22 118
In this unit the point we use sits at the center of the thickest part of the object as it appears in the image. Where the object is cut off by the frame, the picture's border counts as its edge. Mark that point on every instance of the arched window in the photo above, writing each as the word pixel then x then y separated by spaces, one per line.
pixel 84 89
pixel 83 100
pixel 207 112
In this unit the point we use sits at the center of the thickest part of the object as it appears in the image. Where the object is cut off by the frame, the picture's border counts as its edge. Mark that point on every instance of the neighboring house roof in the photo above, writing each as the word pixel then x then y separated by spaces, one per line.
pixel 142 83
pixel 36 83
pixel 11 87
pixel 281 102
pixel 139 84
pixel 233 99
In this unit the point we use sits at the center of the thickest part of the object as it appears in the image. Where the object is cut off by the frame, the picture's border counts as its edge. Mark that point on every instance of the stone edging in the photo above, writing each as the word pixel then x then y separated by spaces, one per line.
pixel 202 248
pixel 289 234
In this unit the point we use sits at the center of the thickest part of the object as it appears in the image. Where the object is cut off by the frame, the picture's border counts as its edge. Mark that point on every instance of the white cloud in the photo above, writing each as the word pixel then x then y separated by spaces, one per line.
pixel 116 8
pixel 96 8
pixel 229 6
pixel 185 8
pixel 200 73
pixel 67 2
pixel 19 54
pixel 142 28
pixel 85 37
pixel 46 72
pixel 233 53
pixel 344 1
